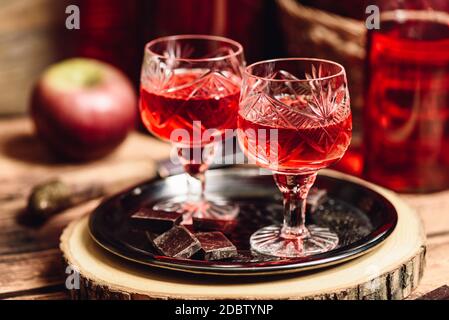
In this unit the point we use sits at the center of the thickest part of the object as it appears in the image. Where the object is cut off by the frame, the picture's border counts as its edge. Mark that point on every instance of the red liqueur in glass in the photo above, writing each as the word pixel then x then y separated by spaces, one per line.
pixel 193 102
pixel 294 119
pixel 295 149
pixel 190 88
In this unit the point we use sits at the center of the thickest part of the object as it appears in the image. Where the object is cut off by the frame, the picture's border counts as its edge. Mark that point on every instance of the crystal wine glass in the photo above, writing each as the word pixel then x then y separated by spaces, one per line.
pixel 294 119
pixel 190 88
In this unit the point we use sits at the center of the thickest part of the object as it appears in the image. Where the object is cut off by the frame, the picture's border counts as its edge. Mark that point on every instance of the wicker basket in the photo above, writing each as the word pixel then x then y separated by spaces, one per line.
pixel 310 32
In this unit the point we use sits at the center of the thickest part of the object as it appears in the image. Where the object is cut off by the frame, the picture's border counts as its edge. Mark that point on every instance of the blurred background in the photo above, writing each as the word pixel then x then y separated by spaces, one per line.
pixel 33 35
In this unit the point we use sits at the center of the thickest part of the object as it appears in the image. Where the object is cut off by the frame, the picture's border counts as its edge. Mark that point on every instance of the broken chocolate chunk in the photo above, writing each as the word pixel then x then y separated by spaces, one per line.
pixel 203 224
pixel 155 221
pixel 178 242
pixel 315 198
pixel 215 246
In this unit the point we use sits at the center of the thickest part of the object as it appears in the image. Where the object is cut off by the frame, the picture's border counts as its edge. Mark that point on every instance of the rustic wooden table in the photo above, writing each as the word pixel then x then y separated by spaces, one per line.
pixel 30 261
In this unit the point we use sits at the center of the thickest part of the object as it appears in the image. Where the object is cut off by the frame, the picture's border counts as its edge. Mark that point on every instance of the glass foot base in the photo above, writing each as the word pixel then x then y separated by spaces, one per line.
pixel 269 242
pixel 219 209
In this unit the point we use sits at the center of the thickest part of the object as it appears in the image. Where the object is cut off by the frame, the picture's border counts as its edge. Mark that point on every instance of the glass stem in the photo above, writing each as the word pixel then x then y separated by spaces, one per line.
pixel 294 188
pixel 196 161
pixel 196 186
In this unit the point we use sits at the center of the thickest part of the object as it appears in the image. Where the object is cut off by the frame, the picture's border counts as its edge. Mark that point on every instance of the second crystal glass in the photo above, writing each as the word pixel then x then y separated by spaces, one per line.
pixel 190 87
pixel 294 119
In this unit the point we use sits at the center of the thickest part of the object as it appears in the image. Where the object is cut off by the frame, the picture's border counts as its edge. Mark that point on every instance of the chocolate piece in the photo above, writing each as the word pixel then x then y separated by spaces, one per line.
pixel 178 242
pixel 203 224
pixel 215 246
pixel 441 293
pixel 155 221
pixel 315 198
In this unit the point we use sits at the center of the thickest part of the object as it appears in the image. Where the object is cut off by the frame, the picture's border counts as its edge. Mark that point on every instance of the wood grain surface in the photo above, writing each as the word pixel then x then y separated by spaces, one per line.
pixel 30 263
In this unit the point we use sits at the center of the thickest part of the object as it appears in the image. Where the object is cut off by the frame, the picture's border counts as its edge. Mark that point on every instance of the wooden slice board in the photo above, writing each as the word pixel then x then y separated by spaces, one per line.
pixel 391 271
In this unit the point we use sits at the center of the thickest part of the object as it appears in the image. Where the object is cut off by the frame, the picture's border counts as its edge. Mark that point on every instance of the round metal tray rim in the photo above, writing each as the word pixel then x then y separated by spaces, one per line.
pixel 340 255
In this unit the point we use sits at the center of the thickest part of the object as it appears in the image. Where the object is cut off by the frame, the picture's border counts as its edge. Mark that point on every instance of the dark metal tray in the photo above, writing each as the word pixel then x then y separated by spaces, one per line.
pixel 361 217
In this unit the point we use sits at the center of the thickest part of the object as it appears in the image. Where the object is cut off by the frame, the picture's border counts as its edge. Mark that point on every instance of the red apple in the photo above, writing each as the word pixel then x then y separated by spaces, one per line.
pixel 83 108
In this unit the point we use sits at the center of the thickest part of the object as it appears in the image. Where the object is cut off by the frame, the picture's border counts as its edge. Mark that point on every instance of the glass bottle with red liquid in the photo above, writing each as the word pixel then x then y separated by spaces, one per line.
pixel 406 117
